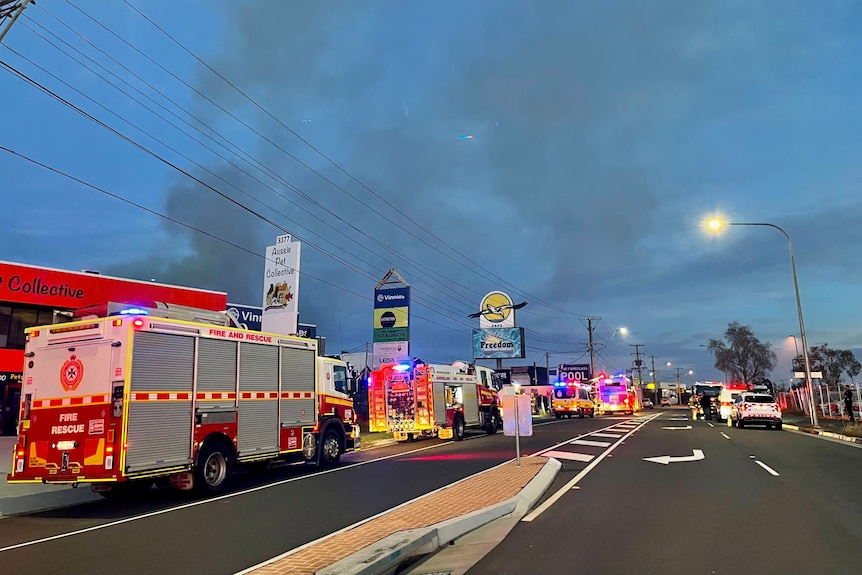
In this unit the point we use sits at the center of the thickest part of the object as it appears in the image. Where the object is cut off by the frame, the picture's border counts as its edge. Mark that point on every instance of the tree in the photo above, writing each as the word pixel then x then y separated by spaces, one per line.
pixel 742 356
pixel 833 362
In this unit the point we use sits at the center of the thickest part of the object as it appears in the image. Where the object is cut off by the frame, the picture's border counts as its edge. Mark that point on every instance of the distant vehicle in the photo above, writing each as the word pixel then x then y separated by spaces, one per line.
pixel 664 402
pixel 613 395
pixel 755 409
pixel 647 403
pixel 572 399
pixel 728 394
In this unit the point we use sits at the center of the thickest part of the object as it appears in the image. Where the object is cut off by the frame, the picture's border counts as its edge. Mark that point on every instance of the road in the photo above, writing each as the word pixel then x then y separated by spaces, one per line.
pixel 759 501
pixel 266 515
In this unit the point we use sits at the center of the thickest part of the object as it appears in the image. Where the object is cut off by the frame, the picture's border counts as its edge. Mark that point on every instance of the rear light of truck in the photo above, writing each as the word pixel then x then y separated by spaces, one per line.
pixel 138 323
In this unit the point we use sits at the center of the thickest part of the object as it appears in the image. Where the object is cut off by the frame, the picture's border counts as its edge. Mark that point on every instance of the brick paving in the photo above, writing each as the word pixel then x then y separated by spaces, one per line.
pixel 475 493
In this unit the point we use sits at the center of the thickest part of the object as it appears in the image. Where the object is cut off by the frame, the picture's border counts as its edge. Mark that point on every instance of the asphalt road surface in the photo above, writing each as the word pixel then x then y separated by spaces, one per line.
pixel 758 501
pixel 266 514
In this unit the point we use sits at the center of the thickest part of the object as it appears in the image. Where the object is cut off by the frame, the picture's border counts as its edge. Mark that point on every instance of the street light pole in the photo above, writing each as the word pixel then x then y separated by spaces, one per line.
pixel 814 420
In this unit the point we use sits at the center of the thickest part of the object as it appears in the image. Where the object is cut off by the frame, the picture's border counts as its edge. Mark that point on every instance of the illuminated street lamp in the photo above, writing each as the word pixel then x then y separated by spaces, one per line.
pixel 715 225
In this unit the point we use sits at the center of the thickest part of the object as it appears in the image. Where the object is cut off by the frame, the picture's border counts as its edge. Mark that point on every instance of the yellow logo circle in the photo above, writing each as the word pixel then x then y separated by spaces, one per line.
pixel 496 307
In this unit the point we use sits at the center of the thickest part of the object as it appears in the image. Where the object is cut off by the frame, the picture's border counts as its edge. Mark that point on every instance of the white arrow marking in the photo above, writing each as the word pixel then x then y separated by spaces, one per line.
pixel 686 427
pixel 697 455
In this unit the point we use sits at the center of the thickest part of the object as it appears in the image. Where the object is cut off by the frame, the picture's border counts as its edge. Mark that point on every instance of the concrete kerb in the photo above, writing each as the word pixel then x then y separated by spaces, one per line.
pixel 822 433
pixel 385 555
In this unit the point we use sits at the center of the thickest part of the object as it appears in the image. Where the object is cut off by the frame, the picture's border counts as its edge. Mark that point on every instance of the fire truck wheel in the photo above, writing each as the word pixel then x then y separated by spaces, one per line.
pixel 214 469
pixel 493 422
pixel 458 428
pixel 330 449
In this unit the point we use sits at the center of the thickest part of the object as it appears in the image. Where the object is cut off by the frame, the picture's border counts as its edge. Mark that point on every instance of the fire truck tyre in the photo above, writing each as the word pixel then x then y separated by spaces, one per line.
pixel 580 414
pixel 330 449
pixel 458 428
pixel 214 469
pixel 591 414
pixel 558 416
pixel 493 422
pixel 778 426
pixel 740 424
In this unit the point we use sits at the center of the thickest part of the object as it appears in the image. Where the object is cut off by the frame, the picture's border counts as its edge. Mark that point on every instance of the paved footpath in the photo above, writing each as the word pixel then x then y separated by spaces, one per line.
pixel 474 493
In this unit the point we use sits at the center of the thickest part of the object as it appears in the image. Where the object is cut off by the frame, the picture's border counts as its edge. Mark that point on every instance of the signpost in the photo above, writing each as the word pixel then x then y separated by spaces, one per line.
pixel 521 424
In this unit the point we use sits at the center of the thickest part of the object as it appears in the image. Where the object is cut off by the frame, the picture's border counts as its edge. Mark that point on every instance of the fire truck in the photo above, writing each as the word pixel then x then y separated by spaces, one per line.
pixel 417 399
pixel 123 400
pixel 614 394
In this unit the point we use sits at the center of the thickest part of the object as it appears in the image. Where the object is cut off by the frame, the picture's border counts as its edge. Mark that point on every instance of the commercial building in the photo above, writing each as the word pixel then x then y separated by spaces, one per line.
pixel 34 295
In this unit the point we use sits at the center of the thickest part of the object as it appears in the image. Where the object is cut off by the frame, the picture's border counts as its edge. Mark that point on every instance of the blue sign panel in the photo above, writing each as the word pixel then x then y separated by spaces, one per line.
pixel 245 316
pixel 306 330
pixel 498 343
pixel 574 373
pixel 394 297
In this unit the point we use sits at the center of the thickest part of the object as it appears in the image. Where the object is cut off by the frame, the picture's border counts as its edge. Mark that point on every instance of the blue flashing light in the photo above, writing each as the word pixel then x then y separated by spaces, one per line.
pixel 133 311
pixel 402 367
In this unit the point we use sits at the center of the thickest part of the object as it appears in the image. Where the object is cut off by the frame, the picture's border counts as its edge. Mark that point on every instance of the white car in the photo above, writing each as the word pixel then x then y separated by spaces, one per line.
pixel 647 404
pixel 755 409
pixel 664 402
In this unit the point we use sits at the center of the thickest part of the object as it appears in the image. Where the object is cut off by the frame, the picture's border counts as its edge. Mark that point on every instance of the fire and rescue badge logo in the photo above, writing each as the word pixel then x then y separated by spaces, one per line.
pixel 71 373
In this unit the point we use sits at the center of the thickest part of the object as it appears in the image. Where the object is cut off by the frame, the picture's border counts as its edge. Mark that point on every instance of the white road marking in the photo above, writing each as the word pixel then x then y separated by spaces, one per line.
pixel 562 443
pixel 686 427
pixel 696 455
pixel 574 481
pixel 569 455
pixel 608 435
pixel 724 435
pixel 767 468
pixel 677 419
pixel 590 443
pixel 709 424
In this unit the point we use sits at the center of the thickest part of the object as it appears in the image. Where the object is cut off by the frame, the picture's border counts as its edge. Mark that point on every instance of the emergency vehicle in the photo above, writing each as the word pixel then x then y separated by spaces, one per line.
pixel 122 400
pixel 613 394
pixel 572 398
pixel 728 394
pixel 711 389
pixel 417 399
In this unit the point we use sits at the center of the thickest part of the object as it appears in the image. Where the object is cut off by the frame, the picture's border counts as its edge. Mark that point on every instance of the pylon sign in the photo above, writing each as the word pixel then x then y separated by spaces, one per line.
pixel 391 319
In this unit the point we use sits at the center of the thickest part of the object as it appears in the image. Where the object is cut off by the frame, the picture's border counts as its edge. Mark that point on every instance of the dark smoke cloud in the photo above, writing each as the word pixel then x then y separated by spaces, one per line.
pixel 585 120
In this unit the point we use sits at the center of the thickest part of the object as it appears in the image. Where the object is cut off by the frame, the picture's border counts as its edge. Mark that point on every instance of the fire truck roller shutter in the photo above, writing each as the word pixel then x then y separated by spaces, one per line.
pixel 439 391
pixel 297 376
pixel 216 372
pixel 257 429
pixel 159 432
pixel 471 403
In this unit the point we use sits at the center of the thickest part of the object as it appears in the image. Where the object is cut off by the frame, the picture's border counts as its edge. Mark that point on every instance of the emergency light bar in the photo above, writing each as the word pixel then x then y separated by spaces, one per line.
pixel 402 367
pixel 134 311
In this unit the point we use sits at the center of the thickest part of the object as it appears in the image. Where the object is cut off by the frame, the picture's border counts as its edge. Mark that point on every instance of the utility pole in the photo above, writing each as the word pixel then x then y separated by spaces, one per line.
pixel 592 347
pixel 654 389
pixel 638 362
pixel 11 9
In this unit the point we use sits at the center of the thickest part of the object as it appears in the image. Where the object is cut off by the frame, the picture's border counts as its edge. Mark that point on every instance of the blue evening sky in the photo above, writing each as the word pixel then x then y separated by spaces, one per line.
pixel 603 135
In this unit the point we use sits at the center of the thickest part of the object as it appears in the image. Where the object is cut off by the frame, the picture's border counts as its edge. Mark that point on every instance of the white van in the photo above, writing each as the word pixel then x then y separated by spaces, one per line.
pixel 728 394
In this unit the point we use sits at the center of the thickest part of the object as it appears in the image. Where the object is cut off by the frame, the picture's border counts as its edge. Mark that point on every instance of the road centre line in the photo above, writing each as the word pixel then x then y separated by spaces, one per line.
pixel 766 467
pixel 724 435
pixel 574 481
pixel 214 499
pixel 709 424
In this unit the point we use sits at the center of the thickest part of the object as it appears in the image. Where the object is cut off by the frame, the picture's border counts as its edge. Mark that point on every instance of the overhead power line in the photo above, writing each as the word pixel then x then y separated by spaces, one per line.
pixel 476 267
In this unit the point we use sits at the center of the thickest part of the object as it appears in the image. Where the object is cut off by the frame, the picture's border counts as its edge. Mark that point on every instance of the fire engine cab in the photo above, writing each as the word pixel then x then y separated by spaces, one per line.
pixel 417 399
pixel 121 400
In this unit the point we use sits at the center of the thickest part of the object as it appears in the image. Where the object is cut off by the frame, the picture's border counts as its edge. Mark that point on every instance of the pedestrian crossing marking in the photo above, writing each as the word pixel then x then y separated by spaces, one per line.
pixel 590 443
pixel 608 435
pixel 569 455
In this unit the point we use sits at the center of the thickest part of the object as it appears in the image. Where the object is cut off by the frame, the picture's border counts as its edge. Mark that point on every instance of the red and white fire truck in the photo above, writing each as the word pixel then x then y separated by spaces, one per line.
pixel 122 400
pixel 417 399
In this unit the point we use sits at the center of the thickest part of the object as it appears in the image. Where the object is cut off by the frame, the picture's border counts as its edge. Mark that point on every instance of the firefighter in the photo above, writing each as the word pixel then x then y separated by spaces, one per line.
pixel 706 406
